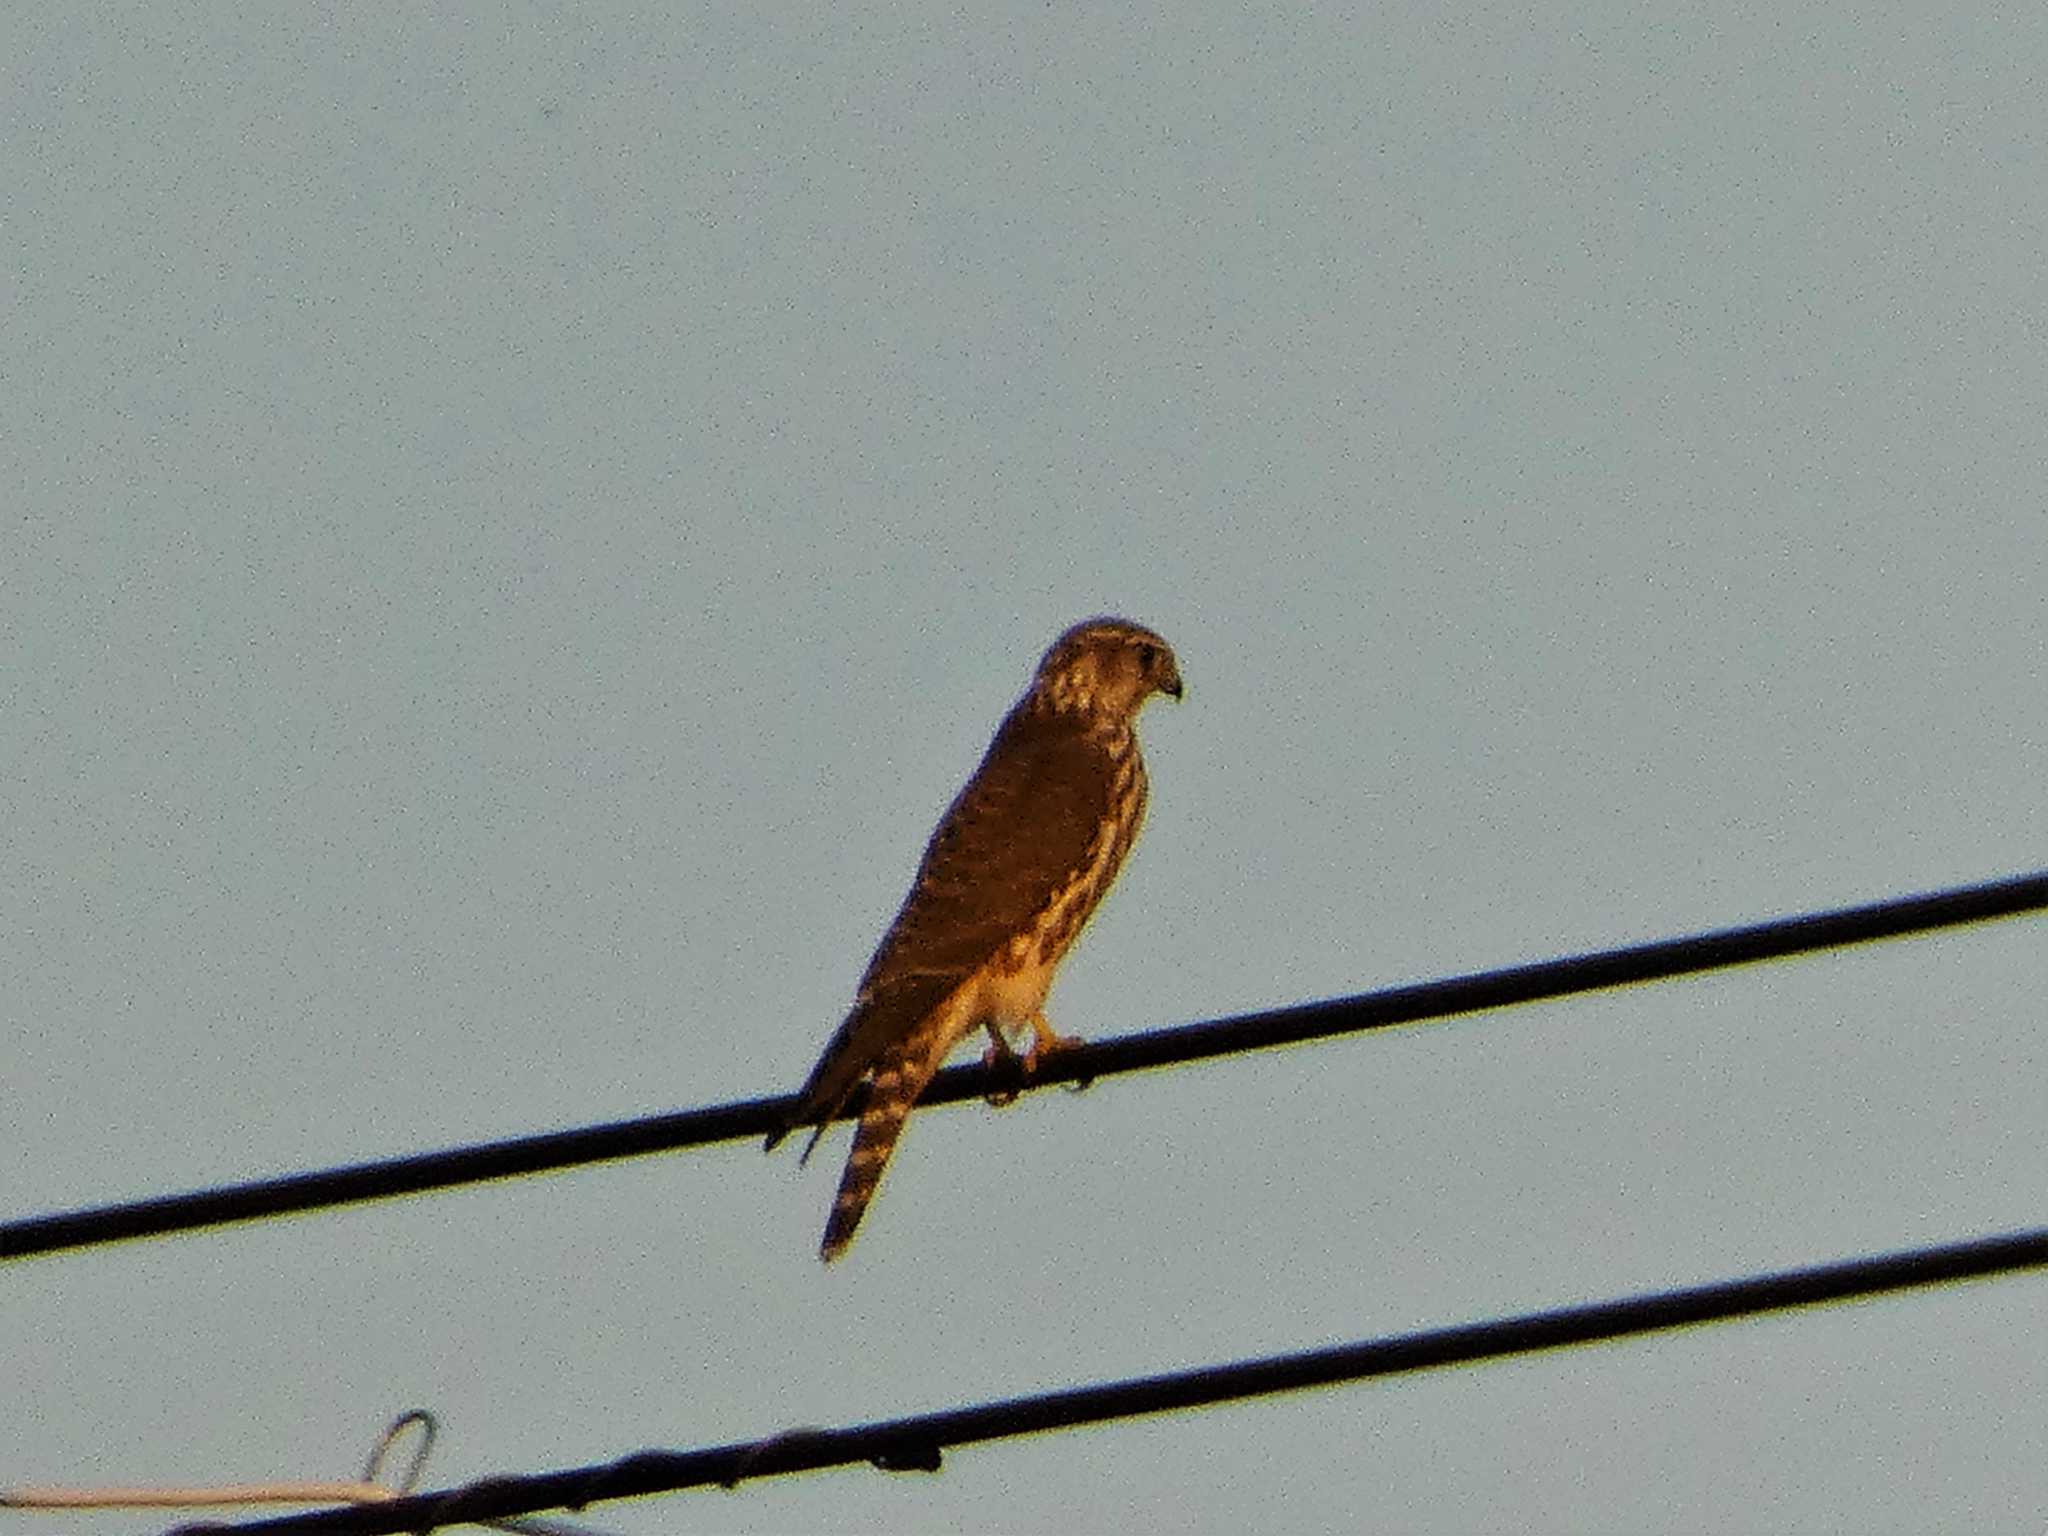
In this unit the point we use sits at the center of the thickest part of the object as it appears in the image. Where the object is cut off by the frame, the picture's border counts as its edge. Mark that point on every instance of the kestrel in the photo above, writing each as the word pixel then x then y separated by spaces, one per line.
pixel 1019 861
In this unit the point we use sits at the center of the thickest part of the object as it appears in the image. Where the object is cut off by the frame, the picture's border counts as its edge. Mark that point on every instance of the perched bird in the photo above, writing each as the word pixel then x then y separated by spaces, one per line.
pixel 1019 861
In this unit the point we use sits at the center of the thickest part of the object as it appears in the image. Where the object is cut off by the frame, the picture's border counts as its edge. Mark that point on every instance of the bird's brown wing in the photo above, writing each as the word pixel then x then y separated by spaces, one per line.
pixel 1013 838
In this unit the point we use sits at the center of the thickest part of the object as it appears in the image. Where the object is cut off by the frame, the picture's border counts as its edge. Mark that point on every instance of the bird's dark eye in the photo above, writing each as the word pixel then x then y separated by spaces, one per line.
pixel 1148 654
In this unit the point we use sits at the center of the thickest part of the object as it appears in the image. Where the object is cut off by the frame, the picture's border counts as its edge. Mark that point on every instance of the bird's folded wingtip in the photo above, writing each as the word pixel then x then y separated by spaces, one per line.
pixel 776 1137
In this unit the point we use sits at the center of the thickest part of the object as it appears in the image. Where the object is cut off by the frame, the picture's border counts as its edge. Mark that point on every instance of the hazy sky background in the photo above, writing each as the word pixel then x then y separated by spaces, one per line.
pixel 512 528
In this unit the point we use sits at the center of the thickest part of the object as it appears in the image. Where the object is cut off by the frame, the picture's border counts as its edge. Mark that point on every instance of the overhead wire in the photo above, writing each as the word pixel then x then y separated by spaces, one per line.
pixel 370 1488
pixel 1596 970
pixel 917 1442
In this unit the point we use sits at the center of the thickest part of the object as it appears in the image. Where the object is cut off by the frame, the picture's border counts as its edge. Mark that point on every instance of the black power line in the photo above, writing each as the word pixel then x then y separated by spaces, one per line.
pixel 1103 1058
pixel 916 1443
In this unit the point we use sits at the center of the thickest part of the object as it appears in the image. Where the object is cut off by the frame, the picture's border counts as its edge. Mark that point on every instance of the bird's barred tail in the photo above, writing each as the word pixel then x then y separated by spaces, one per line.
pixel 899 1078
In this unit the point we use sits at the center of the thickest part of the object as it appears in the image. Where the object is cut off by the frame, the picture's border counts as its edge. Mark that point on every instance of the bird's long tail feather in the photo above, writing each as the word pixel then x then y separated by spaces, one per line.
pixel 899 1078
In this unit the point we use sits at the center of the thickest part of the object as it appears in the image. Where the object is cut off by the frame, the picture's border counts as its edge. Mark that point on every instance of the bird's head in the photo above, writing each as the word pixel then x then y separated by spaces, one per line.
pixel 1107 667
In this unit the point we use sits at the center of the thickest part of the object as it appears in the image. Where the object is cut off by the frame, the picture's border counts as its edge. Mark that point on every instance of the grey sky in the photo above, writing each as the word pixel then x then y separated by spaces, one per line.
pixel 511 529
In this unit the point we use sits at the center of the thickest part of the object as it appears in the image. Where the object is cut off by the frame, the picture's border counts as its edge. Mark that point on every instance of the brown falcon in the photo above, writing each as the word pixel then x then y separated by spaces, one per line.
pixel 1018 862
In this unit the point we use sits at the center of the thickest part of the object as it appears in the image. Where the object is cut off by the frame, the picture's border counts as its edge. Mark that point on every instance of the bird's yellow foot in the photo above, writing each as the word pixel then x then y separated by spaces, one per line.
pixel 1014 1071
pixel 1006 1065
pixel 1047 1042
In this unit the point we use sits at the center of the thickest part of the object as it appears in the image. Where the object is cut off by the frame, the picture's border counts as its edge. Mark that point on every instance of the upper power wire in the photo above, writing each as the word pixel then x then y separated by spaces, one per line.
pixel 1104 1058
